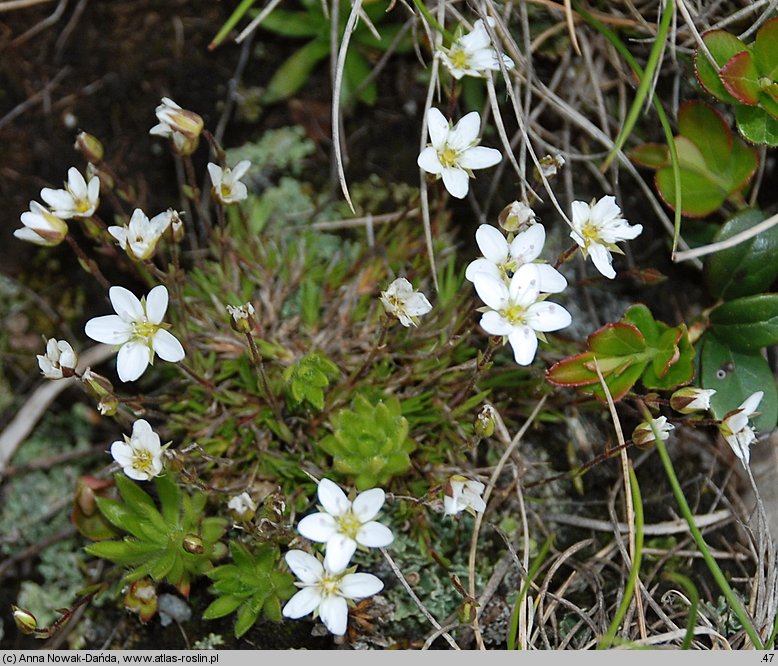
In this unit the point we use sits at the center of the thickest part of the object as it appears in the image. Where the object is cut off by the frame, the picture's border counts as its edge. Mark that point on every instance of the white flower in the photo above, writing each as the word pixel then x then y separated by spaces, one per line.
pixel 597 228
pixel 59 360
pixel 691 399
pixel 735 429
pixel 138 330
pixel 77 199
pixel 41 226
pixel 226 182
pixel 343 525
pixel 473 54
pixel 518 311
pixel 461 494
pixel 183 127
pixel 241 317
pixel 326 593
pixel 140 237
pixel 242 506
pixel 454 152
pixel 550 164
pixel 644 434
pixel 502 259
pixel 140 456
pixel 404 303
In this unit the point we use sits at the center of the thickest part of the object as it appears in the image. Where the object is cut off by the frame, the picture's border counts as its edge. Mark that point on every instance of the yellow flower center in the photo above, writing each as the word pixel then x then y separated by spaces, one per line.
pixel 459 59
pixel 142 460
pixel 448 157
pixel 144 330
pixel 349 525
pixel 330 585
pixel 513 314
pixel 590 232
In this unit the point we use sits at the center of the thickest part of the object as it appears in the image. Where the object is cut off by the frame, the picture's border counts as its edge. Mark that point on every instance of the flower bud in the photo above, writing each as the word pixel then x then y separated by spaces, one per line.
pixel 691 399
pixel 484 422
pixel 643 436
pixel 99 384
pixel 550 165
pixel 141 598
pixel 516 217
pixel 242 318
pixel 182 126
pixel 242 508
pixel 59 361
pixel 25 621
pixel 90 147
pixel 193 544
pixel 108 405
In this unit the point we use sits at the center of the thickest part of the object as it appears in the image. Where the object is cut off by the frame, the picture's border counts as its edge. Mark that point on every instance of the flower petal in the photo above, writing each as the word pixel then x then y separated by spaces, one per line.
pixel 491 291
pixel 548 316
pixel 580 215
pixel 456 181
pixel 495 324
pixel 333 611
pixel 156 304
pixel 428 160
pixel 374 535
pixel 109 329
pixel 360 585
pixel 368 503
pixel 132 361
pixel 317 527
pixel 524 343
pixel 482 266
pixel 438 127
pixel 551 280
pixel 167 346
pixel 306 567
pixel 122 453
pixel 465 132
pixel 303 603
pixel 602 260
pixel 479 157
pixel 340 550
pixel 528 245
pixel 525 285
pixel 492 243
pixel 125 304
pixel 332 498
pixel 751 403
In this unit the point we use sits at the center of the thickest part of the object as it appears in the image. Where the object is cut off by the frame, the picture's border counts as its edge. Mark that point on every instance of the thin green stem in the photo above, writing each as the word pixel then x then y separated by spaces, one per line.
pixel 533 570
pixel 629 589
pixel 718 575
pixel 432 21
pixel 694 603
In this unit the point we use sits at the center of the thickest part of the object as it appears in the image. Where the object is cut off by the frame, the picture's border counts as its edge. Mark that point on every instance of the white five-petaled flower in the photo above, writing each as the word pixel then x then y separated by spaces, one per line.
pixel 454 152
pixel 181 126
pixel 518 311
pixel 77 199
pixel 59 360
pixel 343 524
pixel 41 226
pixel 227 187
pixel 140 455
pixel 473 54
pixel 644 433
pixel 326 593
pixel 404 303
pixel 735 429
pixel 140 237
pixel 461 494
pixel 597 228
pixel 502 259
pixel 138 330
pixel 242 506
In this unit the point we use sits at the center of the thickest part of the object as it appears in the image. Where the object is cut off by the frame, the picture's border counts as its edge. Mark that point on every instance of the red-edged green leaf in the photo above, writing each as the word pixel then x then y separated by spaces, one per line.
pixel 756 126
pixel 722 46
pixel 700 196
pixel 705 127
pixel 640 316
pixel 619 385
pixel 768 99
pixel 669 352
pixel 616 339
pixel 741 78
pixel 765 49
pixel 651 155
pixel 573 371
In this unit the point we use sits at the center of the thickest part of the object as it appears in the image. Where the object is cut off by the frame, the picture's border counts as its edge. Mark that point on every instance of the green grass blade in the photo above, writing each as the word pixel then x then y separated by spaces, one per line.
pixel 629 589
pixel 513 629
pixel 660 112
pixel 230 23
pixel 694 603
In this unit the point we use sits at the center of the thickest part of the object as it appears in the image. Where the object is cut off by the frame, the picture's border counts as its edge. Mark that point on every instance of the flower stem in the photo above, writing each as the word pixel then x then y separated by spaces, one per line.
pixel 88 264
pixel 373 351
pixel 256 360
pixel 481 364
pixel 569 252
pixel 432 21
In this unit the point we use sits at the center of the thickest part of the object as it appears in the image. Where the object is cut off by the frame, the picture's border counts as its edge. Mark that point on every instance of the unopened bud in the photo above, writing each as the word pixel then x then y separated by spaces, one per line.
pixel 484 422
pixel 108 405
pixel 182 126
pixel 550 165
pixel 177 225
pixel 59 361
pixel 242 508
pixel 516 217
pixel 242 318
pixel 643 436
pixel 691 399
pixel 99 384
pixel 194 544
pixel 90 147
pixel 141 598
pixel 25 621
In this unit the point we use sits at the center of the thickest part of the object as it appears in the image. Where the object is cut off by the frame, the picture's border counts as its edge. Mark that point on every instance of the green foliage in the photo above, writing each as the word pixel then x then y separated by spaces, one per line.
pixel 370 442
pixel 312 24
pixel 747 324
pixel 251 585
pixel 637 347
pixel 714 166
pixel 172 543
pixel 747 79
pixel 749 267
pixel 308 378
pixel 735 375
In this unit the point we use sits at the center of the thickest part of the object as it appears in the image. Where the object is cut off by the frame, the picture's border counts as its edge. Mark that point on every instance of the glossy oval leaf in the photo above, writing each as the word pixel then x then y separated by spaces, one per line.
pixel 722 46
pixel 706 128
pixel 735 376
pixel 617 339
pixel 765 49
pixel 294 72
pixel 747 324
pixel 756 125
pixel 651 155
pixel 748 268
pixel 741 78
